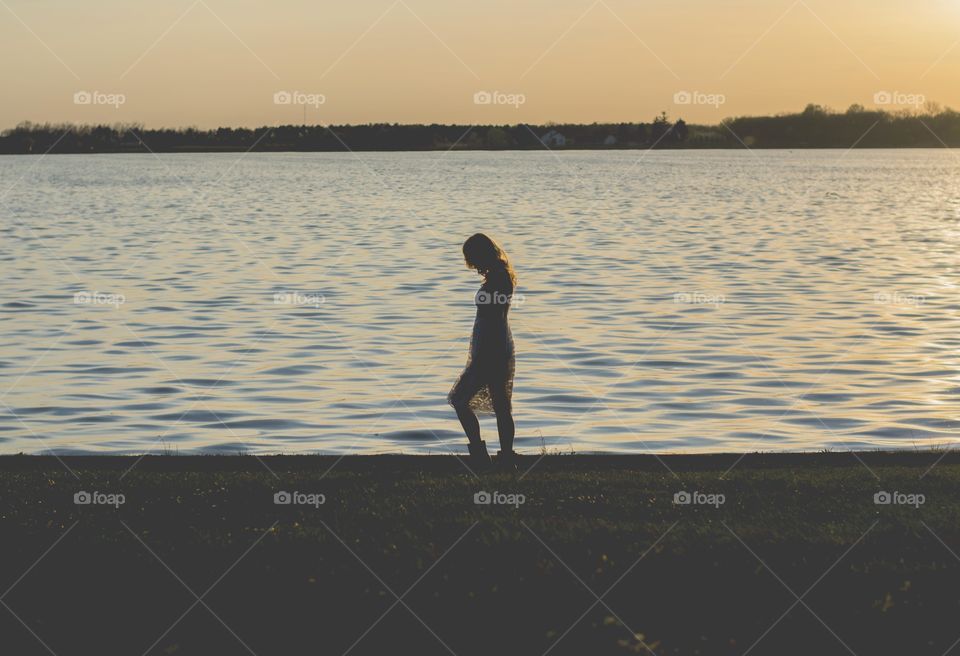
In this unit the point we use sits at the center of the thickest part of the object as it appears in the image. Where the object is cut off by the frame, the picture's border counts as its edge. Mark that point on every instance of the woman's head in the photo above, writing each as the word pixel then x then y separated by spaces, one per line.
pixel 485 255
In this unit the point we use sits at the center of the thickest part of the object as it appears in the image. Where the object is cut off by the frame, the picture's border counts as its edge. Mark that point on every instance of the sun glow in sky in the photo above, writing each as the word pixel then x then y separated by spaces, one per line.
pixel 218 62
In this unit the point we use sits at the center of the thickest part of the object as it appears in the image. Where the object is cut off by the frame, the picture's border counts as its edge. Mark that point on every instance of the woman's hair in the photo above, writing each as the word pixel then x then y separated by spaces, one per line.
pixel 485 255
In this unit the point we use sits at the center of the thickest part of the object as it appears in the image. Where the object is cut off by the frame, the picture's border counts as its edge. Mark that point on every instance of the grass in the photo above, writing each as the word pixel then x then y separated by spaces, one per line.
pixel 482 579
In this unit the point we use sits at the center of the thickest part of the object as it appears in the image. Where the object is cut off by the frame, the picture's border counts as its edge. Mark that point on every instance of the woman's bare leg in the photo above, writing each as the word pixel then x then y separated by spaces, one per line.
pixel 505 425
pixel 506 429
pixel 471 426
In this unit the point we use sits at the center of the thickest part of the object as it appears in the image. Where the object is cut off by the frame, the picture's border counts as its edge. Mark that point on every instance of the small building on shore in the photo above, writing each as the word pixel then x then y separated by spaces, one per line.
pixel 553 138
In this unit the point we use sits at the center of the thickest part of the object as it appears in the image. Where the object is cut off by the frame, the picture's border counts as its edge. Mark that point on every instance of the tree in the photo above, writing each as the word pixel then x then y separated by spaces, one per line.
pixel 680 131
pixel 661 126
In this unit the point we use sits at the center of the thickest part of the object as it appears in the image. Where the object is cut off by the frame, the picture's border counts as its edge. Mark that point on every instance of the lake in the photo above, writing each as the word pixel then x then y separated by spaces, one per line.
pixel 669 301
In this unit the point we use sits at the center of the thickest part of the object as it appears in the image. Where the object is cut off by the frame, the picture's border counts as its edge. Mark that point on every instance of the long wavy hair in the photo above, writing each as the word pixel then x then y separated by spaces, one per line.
pixel 483 254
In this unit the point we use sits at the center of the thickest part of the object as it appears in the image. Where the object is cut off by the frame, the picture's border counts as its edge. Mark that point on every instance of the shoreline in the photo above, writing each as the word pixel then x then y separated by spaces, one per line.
pixel 445 463
pixel 547 151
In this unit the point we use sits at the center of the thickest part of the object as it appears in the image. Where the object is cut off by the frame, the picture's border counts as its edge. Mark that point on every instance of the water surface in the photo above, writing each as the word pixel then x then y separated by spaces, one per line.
pixel 300 303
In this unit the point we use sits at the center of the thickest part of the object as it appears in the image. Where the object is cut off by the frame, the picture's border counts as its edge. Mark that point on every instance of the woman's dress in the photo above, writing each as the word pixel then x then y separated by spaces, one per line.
pixel 491 361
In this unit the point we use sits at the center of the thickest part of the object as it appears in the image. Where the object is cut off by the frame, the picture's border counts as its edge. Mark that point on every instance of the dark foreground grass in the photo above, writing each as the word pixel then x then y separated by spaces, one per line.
pixel 400 560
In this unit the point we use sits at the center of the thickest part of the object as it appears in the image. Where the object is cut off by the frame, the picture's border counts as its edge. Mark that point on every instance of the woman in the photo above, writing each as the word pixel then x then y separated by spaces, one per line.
pixel 486 384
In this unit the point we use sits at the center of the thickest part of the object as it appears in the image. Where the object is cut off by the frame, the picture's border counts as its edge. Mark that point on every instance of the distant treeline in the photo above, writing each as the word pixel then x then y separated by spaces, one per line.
pixel 819 127
pixel 815 127
pixel 33 138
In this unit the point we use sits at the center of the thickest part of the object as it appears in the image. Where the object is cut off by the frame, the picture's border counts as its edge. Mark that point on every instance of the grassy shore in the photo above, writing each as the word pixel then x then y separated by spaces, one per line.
pixel 597 559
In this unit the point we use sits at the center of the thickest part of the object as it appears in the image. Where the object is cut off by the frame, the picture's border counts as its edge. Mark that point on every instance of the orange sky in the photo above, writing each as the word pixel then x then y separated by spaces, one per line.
pixel 220 62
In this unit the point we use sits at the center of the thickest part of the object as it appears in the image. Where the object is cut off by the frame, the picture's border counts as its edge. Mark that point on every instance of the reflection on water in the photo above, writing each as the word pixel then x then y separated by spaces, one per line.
pixel 671 301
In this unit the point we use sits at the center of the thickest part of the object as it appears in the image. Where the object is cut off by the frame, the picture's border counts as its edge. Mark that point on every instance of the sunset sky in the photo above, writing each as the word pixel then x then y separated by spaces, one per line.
pixel 217 62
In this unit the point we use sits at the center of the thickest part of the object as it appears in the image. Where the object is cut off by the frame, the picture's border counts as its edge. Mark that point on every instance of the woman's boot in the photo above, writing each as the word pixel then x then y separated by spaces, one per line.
pixel 479 457
pixel 507 460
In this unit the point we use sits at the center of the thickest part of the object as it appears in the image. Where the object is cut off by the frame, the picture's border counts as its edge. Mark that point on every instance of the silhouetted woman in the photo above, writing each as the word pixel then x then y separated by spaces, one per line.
pixel 486 384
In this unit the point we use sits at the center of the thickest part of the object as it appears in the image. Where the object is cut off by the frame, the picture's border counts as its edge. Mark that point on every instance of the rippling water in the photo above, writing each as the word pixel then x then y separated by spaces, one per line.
pixel 669 301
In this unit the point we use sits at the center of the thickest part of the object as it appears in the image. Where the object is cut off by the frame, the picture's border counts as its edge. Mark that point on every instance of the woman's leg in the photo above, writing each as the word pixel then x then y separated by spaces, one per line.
pixel 468 385
pixel 471 426
pixel 504 410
